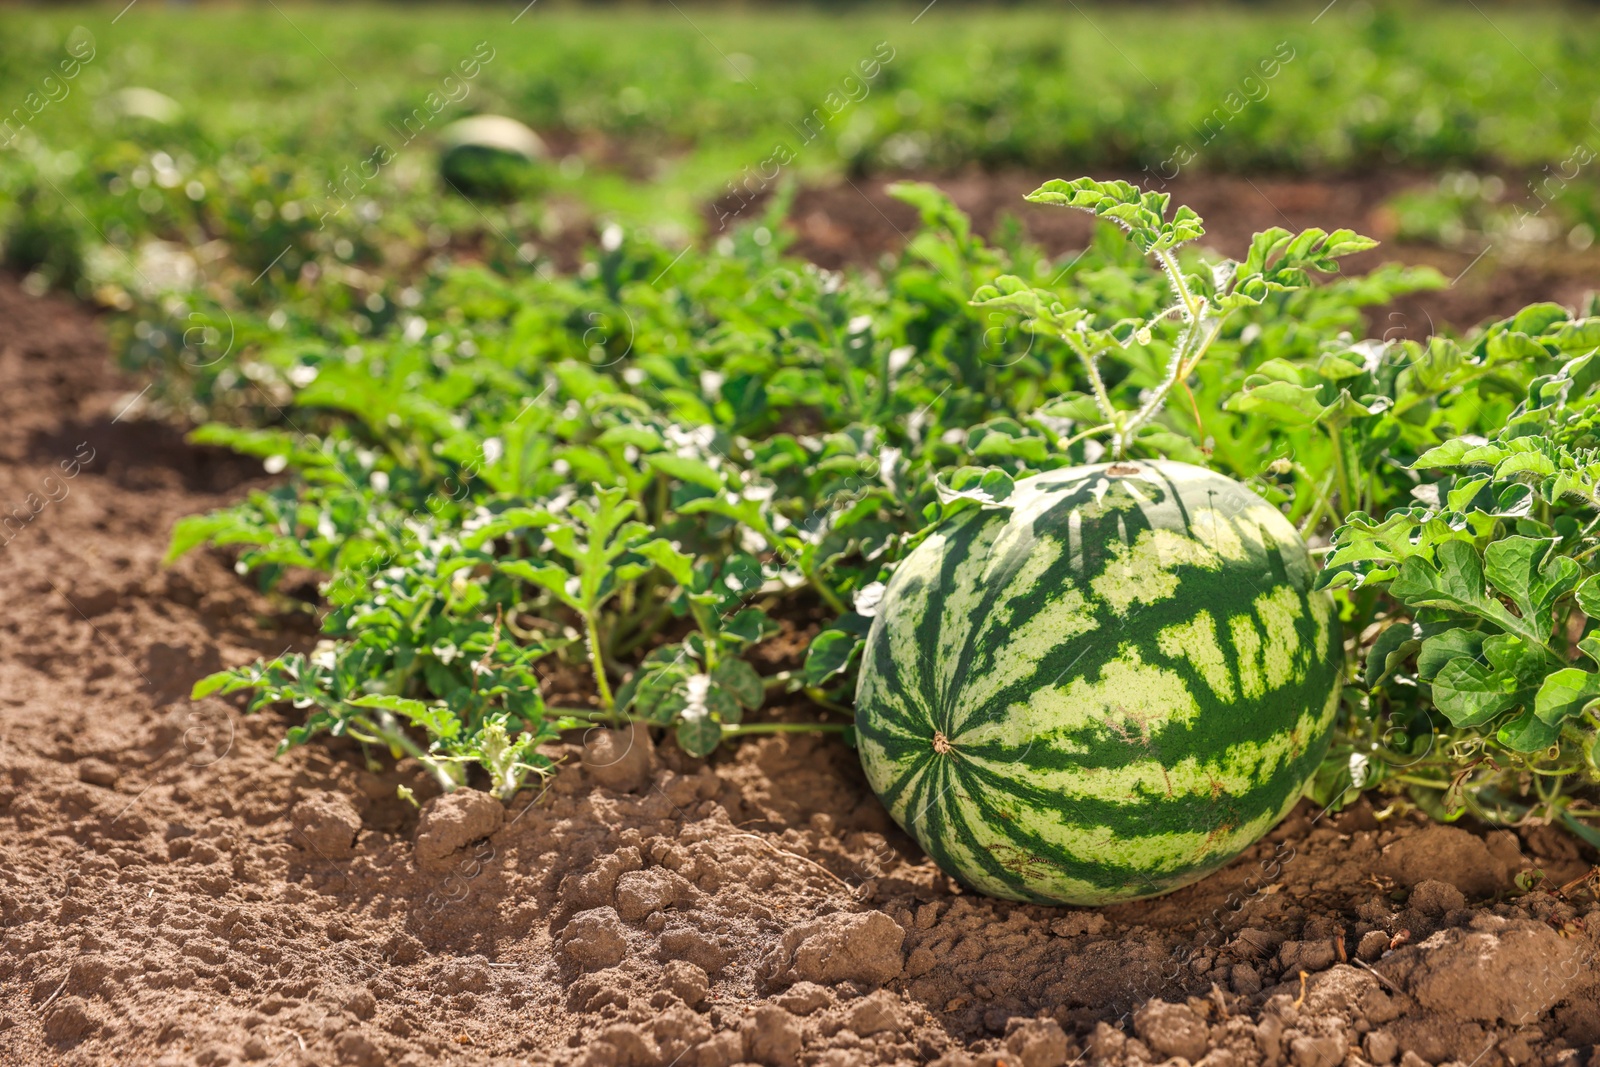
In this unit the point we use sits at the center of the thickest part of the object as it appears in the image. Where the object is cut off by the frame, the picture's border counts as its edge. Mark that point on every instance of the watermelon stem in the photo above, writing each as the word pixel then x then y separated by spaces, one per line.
pixel 1102 398
pixel 589 714
pixel 598 662
pixel 1347 501
pixel 1091 432
pixel 729 730
pixel 1192 346
pixel 1320 507
pixel 1181 287
pixel 817 696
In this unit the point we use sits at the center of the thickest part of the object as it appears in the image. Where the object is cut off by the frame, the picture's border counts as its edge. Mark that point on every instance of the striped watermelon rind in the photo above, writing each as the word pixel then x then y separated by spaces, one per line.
pixel 1103 692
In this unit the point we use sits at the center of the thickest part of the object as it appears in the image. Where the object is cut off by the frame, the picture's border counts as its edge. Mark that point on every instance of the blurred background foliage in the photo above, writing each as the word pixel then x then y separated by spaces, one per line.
pixel 650 111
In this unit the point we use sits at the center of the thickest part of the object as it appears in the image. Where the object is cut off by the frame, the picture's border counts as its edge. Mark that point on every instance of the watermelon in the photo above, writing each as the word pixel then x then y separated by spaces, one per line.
pixel 1104 691
pixel 492 157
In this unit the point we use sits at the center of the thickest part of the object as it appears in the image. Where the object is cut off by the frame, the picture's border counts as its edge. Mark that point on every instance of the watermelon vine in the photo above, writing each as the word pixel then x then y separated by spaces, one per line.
pixel 660 469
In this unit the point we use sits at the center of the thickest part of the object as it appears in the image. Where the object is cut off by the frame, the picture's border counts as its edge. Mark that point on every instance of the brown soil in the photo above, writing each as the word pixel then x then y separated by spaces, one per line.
pixel 170 893
pixel 856 220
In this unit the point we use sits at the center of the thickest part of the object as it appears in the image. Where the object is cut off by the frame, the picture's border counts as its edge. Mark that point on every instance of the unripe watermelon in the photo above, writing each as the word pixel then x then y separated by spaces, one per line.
pixel 1104 692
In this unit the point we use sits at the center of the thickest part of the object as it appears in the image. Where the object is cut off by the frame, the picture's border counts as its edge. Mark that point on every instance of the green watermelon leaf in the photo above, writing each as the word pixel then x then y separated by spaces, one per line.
pixel 1527 733
pixel 985 486
pixel 1523 569
pixel 700 736
pixel 1456 582
pixel 1283 402
pixel 436 719
pixel 1443 647
pixel 687 469
pixel 680 565
pixel 832 653
pixel 1566 694
pixel 1470 693
pixel 1390 651
pixel 750 626
pixel 1588 596
pixel 740 681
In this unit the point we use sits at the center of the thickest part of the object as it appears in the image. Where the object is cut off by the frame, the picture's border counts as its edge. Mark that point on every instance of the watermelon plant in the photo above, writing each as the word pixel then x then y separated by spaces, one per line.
pixel 686 476
pixel 485 504
pixel 1480 583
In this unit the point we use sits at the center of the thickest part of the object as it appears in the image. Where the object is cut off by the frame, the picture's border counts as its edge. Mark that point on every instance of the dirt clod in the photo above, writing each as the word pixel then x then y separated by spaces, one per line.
pixel 325 823
pixel 876 1014
pixel 360 1002
pixel 1373 944
pixel 594 939
pixel 686 981
pixel 1381 1047
pixel 1326 1051
pixel 1171 1030
pixel 1297 956
pixel 842 947
pixel 688 943
pixel 69 1020
pixel 630 1045
pixel 639 893
pixel 1513 974
pixel 358 1050
pixel 1446 854
pixel 1433 897
pixel 773 1037
pixel 455 820
pixel 91 975
pixel 1078 923
pixel 804 998
pixel 98 772
pixel 620 759
pixel 1346 994
pixel 1038 1043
